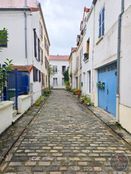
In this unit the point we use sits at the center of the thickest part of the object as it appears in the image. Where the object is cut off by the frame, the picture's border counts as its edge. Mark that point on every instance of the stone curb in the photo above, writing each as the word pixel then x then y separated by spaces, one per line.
pixel 111 123
pixel 107 119
pixel 5 149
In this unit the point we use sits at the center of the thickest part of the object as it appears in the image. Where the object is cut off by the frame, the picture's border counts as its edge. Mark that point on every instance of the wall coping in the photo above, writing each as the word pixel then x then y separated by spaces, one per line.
pixel 23 97
pixel 5 104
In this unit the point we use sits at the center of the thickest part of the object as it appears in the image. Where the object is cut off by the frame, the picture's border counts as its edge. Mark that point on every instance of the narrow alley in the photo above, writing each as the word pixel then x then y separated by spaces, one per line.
pixel 65 138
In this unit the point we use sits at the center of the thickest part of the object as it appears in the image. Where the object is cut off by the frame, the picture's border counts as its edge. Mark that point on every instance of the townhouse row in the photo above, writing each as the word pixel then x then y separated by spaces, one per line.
pixel 28 46
pixel 28 42
pixel 100 62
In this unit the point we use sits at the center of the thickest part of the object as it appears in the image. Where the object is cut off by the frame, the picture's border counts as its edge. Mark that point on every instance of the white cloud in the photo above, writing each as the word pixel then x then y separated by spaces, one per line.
pixel 62 20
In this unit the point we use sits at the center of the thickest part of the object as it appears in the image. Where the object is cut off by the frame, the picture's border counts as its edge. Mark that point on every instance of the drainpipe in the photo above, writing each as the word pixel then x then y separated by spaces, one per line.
pixel 25 28
pixel 119 56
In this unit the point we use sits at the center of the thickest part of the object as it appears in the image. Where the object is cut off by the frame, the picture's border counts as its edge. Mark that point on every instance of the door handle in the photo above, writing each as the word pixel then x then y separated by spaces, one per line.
pixel 107 91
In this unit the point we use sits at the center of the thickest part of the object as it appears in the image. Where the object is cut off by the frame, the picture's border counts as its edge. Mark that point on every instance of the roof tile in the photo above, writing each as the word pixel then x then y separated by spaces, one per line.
pixel 59 57
pixel 18 3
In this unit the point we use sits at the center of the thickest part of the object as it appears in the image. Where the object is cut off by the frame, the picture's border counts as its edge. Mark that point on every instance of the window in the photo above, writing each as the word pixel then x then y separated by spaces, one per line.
pixel 46 79
pixel 54 69
pixel 86 55
pixel 39 76
pixel 81 56
pixel 41 55
pixel 43 79
pixel 36 75
pixel 63 82
pixel 38 50
pixel 41 31
pixel 35 43
pixel 46 63
pixel 102 22
pixel 36 46
pixel 89 81
pixel 55 82
pixel 63 69
pixel 46 45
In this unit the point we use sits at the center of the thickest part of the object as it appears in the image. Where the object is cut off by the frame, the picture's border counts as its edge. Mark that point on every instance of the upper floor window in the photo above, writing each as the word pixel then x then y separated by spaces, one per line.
pixel 63 69
pixel 102 22
pixel 46 45
pixel 81 56
pixel 36 46
pixel 54 69
pixel 41 31
pixel 86 55
pixel 46 63
pixel 41 55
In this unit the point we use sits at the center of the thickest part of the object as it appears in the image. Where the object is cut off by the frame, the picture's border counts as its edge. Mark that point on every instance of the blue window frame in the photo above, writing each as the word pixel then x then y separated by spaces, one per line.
pixel 102 22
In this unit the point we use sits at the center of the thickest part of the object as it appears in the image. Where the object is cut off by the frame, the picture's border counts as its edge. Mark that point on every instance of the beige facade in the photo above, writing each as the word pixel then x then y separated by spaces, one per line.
pixel 45 44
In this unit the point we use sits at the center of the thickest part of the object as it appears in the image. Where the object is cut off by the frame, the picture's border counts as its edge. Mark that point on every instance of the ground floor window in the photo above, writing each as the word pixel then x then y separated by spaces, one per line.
pixel 36 75
pixel 89 81
pixel 55 82
pixel 63 83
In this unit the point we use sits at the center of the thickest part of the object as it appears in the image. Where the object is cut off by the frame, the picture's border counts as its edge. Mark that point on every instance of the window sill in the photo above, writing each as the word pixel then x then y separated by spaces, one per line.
pixel 99 40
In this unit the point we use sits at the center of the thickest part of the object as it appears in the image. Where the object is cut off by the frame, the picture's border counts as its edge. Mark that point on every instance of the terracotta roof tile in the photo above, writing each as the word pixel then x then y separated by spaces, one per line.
pixel 59 57
pixel 86 9
pixel 18 3
pixel 26 68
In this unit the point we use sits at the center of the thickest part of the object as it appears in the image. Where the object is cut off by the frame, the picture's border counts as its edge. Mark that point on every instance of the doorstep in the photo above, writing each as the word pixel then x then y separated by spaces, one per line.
pixel 111 122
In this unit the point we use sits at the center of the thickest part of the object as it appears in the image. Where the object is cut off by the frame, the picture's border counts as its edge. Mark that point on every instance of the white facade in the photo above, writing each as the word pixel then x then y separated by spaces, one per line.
pixel 103 54
pixel 6 110
pixel 57 78
pixel 21 23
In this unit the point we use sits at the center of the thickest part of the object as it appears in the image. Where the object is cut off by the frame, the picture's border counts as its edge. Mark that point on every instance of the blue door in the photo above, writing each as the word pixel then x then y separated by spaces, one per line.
pixel 107 84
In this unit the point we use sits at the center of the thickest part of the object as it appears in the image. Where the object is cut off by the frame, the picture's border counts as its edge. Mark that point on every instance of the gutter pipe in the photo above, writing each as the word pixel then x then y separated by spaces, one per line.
pixel 119 56
pixel 25 28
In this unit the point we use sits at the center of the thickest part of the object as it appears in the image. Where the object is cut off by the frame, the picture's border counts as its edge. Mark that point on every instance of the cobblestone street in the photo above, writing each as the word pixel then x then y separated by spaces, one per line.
pixel 65 138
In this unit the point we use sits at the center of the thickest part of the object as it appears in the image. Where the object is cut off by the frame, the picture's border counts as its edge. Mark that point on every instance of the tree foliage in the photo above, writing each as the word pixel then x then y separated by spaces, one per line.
pixel 4 69
pixel 66 76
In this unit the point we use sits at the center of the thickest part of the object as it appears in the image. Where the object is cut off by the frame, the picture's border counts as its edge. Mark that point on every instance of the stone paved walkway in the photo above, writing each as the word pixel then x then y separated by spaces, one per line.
pixel 65 139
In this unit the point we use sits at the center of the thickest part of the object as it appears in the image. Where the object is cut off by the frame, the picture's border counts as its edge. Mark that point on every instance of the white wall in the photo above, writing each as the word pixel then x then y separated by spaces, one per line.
pixel 125 72
pixel 24 103
pixel 59 74
pixel 104 51
pixel 14 23
pixel 6 111
pixel 88 65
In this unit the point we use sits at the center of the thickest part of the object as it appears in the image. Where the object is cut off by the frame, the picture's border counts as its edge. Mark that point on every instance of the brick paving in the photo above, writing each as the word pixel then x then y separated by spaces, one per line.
pixel 65 138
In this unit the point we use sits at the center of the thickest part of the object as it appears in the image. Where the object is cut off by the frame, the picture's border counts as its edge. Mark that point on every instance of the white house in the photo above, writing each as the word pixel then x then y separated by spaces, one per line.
pixel 59 64
pixel 106 50
pixel 28 41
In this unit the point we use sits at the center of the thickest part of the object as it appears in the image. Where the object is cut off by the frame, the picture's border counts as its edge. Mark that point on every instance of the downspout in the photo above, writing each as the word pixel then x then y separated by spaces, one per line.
pixel 118 57
pixel 25 28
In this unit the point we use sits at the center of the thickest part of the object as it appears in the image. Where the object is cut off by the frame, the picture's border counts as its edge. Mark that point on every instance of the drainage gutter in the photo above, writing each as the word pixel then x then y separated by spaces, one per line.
pixel 119 56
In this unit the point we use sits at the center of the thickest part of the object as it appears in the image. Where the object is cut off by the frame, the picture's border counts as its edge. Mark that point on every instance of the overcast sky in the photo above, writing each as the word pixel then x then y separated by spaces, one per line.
pixel 63 20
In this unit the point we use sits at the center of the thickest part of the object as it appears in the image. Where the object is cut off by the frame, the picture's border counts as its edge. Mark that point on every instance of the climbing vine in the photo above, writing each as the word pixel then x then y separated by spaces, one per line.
pixel 3 38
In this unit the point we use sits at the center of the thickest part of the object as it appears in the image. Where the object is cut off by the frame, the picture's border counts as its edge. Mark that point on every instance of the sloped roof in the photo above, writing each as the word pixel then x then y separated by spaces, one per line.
pixel 59 57
pixel 18 3
pixel 26 68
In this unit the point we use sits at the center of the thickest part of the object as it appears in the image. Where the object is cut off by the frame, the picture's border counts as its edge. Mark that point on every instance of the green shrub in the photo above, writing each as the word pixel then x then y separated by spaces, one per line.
pixel 39 101
pixel 86 100
pixel 76 92
pixel 46 92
